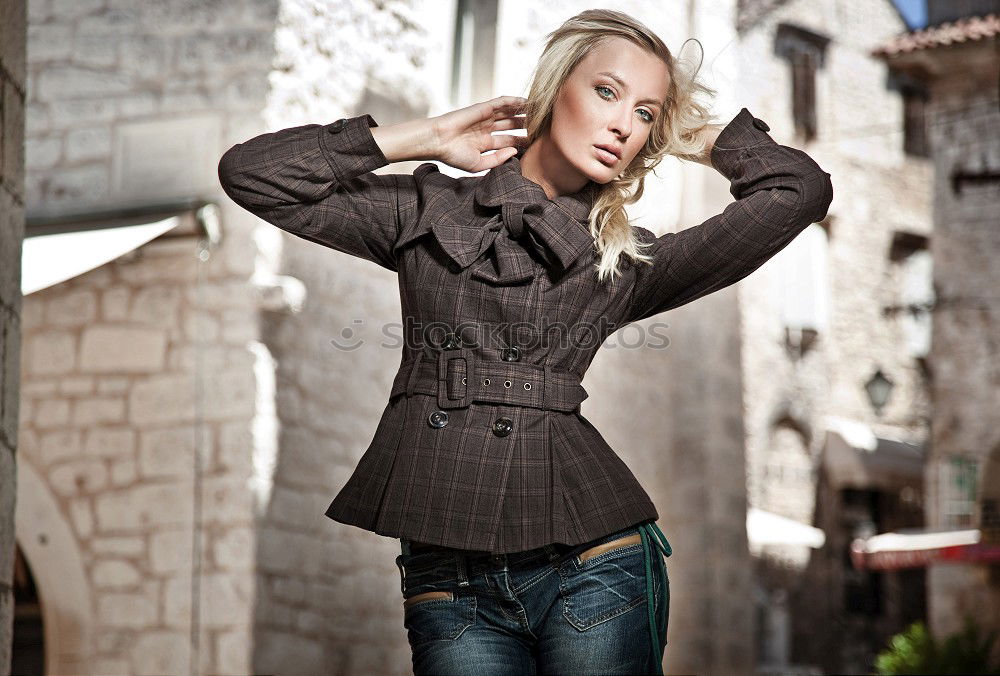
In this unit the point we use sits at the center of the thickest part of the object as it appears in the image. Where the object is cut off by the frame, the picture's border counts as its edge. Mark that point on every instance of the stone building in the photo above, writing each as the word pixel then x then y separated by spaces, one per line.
pixel 185 418
pixel 957 62
pixel 822 325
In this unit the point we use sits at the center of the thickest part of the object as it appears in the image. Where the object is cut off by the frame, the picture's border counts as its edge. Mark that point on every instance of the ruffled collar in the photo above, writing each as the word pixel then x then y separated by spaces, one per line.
pixel 527 225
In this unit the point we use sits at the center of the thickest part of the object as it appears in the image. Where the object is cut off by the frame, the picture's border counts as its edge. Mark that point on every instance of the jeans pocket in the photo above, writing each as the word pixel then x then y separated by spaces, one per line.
pixel 604 582
pixel 440 615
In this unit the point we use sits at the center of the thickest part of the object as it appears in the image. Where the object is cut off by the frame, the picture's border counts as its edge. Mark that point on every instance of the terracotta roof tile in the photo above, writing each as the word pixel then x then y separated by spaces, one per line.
pixel 968 29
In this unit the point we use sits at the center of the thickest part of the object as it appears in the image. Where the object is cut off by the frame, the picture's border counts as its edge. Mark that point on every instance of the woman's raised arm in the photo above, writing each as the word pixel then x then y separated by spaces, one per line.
pixel 779 192
pixel 316 182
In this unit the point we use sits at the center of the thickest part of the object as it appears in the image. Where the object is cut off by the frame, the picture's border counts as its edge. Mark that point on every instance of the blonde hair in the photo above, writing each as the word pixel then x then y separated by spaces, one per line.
pixel 674 131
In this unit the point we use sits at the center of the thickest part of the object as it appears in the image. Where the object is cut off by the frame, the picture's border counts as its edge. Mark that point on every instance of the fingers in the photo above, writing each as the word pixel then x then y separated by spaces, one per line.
pixel 508 123
pixel 502 141
pixel 504 106
pixel 497 158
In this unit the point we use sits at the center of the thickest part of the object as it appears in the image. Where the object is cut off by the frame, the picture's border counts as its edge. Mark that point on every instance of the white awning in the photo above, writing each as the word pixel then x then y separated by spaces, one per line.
pixel 768 528
pixel 919 548
pixel 50 259
pixel 917 540
pixel 59 247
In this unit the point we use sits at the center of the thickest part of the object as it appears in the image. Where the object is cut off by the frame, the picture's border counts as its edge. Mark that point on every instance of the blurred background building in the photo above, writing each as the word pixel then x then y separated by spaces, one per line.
pixel 181 418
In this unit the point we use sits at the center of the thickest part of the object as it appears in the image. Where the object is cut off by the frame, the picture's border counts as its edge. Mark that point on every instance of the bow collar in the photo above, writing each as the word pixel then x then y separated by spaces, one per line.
pixel 527 225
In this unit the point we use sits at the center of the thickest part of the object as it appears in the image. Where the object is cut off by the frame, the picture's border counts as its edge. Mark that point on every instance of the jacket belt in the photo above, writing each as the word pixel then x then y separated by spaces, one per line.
pixel 459 377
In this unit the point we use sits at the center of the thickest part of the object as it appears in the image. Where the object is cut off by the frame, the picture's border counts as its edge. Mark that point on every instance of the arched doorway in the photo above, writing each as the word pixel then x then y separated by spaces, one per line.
pixel 52 554
pixel 28 646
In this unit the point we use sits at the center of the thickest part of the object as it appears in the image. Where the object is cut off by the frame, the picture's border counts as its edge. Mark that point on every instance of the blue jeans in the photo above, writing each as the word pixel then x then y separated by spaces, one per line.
pixel 558 609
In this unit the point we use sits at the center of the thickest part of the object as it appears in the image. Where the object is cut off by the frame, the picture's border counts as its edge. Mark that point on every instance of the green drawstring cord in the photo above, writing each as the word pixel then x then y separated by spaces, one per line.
pixel 649 531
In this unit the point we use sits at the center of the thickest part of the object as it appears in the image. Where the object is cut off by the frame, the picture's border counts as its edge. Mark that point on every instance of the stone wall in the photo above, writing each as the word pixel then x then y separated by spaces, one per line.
pixel 966 389
pixel 144 369
pixel 13 86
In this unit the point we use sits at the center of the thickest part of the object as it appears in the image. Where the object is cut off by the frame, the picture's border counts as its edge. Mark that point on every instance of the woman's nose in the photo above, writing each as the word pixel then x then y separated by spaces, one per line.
pixel 622 127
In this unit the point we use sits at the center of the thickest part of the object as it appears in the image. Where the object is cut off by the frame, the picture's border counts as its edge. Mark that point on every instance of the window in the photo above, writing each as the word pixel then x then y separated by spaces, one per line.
pixel 915 97
pixel 804 284
pixel 474 51
pixel 914 291
pixel 915 139
pixel 958 477
pixel 805 52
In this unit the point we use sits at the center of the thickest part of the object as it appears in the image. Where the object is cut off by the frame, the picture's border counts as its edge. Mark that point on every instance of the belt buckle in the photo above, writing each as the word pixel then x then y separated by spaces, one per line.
pixel 445 358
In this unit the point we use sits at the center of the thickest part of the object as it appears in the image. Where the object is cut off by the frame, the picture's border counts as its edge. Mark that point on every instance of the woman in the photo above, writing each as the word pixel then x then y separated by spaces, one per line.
pixel 527 545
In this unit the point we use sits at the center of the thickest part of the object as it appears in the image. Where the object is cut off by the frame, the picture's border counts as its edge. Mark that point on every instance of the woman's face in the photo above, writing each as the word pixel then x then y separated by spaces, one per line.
pixel 611 98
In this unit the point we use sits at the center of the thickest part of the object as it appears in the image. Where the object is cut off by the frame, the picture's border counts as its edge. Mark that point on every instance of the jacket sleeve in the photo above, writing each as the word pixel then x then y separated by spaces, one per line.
pixel 779 192
pixel 316 182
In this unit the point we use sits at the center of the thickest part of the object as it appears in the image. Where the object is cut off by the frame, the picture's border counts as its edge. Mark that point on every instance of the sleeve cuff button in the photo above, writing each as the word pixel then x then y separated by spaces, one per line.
pixel 761 124
pixel 338 126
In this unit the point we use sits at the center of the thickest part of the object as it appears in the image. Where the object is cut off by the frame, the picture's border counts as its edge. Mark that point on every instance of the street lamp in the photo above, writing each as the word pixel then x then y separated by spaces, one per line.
pixel 879 386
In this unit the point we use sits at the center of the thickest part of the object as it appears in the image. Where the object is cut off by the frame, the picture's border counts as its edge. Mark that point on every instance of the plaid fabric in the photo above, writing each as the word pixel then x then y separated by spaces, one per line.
pixel 497 264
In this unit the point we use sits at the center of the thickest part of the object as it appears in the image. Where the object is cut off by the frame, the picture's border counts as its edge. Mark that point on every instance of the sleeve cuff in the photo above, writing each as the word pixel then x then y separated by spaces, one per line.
pixel 350 147
pixel 737 136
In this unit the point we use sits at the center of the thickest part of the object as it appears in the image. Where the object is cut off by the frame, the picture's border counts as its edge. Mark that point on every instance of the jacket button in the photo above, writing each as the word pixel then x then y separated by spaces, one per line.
pixel 452 342
pixel 510 354
pixel 338 126
pixel 438 419
pixel 760 124
pixel 503 426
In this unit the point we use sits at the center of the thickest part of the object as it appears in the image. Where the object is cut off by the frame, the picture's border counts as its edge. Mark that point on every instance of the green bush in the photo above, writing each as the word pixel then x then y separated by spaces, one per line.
pixel 916 652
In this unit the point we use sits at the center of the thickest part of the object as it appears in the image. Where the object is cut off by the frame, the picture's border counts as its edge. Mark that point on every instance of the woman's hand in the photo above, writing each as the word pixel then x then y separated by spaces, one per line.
pixel 462 136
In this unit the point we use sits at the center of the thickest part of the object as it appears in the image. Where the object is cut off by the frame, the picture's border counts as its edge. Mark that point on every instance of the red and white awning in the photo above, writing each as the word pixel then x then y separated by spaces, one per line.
pixel 892 551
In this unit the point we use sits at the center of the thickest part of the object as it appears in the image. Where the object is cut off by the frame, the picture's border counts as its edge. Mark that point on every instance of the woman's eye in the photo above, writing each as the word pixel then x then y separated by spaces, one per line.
pixel 600 88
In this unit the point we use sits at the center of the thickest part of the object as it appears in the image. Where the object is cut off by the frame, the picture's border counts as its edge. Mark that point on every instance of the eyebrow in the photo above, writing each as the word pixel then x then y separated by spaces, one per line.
pixel 617 78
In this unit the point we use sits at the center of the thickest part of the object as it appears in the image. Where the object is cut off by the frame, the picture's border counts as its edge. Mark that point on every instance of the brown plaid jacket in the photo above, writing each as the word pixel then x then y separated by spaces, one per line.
pixel 482 445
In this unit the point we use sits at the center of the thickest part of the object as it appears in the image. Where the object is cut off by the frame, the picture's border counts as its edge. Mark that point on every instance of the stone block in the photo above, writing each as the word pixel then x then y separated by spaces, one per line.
pixel 80 476
pixel 95 411
pixel 161 652
pixel 166 158
pixel 233 549
pixel 120 610
pixel 43 153
pixel 90 143
pixel 49 353
pixel 145 507
pixel 76 386
pixel 170 551
pixel 114 574
pixel 76 82
pixel 164 398
pixel 110 442
pixel 95 51
pixel 72 308
pixel 50 413
pixel 57 445
pixel 167 452
pixel 101 349
pixel 118 546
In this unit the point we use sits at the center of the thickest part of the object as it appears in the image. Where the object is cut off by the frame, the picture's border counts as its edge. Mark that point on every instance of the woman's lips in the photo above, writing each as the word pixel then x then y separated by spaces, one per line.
pixel 606 157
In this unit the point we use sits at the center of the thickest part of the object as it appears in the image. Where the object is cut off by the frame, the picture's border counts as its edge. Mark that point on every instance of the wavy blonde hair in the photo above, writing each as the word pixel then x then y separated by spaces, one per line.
pixel 674 132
